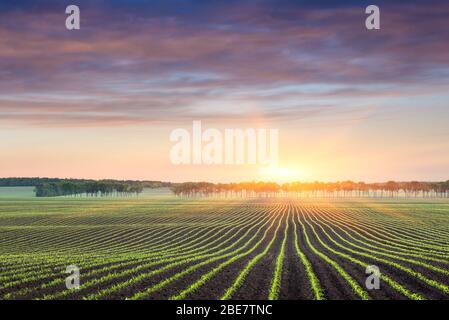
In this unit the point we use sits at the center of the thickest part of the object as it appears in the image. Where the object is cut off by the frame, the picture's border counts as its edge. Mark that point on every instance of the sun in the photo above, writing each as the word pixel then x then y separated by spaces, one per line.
pixel 279 174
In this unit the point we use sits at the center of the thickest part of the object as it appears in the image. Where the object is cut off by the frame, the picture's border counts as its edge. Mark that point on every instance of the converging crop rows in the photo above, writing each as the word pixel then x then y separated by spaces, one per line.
pixel 273 248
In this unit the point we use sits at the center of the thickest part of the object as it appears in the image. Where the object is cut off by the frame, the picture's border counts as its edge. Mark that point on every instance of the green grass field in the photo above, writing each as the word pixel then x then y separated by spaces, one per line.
pixel 158 246
pixel 16 192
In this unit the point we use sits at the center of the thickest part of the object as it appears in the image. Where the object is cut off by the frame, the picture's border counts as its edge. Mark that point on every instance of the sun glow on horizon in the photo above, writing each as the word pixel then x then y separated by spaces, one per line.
pixel 280 174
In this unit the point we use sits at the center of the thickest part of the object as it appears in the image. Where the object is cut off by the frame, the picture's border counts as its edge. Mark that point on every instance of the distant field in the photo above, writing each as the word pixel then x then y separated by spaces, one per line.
pixel 160 247
pixel 28 192
pixel 16 192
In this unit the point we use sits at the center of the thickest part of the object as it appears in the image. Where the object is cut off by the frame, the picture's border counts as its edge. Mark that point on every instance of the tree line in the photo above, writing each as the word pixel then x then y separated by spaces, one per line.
pixel 93 188
pixel 27 182
pixel 53 187
pixel 314 189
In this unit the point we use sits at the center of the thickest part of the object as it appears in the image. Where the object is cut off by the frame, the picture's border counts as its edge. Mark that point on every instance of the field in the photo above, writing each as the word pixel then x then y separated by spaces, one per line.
pixel 161 247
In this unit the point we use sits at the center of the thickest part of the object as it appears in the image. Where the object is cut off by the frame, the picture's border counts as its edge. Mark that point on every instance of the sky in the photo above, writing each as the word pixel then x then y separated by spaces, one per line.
pixel 101 102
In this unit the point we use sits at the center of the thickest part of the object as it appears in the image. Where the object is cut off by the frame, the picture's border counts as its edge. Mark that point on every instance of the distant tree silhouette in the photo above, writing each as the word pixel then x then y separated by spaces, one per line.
pixel 345 189
pixel 89 188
